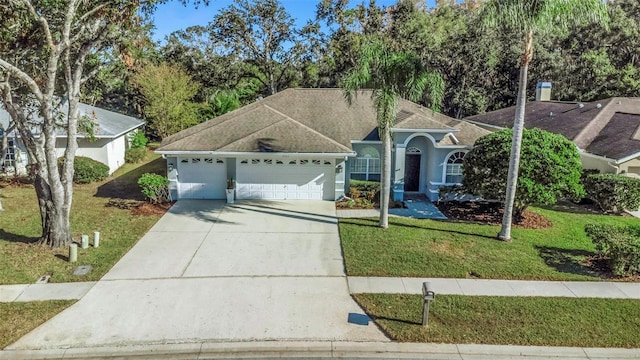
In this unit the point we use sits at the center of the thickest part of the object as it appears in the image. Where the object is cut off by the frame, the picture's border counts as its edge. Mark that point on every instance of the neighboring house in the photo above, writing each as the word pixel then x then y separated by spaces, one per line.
pixel 308 144
pixel 111 139
pixel 606 132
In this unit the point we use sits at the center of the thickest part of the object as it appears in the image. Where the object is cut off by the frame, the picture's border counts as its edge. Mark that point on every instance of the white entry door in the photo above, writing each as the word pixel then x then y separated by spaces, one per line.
pixel 202 178
pixel 285 179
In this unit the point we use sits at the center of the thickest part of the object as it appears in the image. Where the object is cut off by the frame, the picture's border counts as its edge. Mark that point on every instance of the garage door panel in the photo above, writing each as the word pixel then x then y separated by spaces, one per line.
pixel 201 178
pixel 291 180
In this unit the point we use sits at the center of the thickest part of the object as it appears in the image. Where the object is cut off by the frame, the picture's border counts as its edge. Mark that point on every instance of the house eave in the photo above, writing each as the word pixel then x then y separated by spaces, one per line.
pixel 437 131
pixel 251 154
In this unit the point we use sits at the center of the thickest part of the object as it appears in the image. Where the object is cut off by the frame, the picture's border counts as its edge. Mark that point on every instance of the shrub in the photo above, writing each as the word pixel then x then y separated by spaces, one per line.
pixel 135 155
pixel 613 193
pixel 87 170
pixel 550 168
pixel 154 187
pixel 620 245
pixel 369 190
pixel 138 140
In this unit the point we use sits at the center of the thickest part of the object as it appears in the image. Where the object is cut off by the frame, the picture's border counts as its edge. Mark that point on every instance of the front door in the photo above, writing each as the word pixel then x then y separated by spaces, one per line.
pixel 412 172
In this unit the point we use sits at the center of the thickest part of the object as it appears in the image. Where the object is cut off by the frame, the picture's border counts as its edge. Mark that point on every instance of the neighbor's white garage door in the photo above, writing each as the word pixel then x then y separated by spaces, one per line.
pixel 285 179
pixel 202 178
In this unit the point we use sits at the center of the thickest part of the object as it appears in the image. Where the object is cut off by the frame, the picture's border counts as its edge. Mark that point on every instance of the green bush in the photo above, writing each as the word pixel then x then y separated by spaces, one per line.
pixel 86 170
pixel 154 187
pixel 613 193
pixel 138 140
pixel 135 155
pixel 620 245
pixel 369 190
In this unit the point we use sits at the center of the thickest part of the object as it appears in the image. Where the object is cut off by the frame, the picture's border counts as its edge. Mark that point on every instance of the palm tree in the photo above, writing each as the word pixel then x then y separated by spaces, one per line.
pixel 391 76
pixel 532 17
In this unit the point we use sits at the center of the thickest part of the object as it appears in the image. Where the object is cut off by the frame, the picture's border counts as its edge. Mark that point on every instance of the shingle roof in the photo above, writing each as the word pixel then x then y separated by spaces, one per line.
pixel 109 124
pixel 606 128
pixel 303 121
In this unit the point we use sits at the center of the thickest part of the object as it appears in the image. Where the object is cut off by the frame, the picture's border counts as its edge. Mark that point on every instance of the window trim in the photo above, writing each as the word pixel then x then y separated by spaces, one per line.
pixel 446 163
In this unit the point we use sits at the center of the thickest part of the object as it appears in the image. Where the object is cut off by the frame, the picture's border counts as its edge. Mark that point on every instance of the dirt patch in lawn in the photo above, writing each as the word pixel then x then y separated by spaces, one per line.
pixel 146 208
pixel 489 213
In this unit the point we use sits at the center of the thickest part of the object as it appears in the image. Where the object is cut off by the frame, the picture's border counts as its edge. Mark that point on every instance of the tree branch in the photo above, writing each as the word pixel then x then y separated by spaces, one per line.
pixel 33 86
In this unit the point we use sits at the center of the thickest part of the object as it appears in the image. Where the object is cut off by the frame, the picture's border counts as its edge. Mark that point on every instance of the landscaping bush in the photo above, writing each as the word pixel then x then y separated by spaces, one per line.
pixel 549 170
pixel 135 155
pixel 613 193
pixel 86 170
pixel 620 245
pixel 369 190
pixel 154 187
pixel 138 140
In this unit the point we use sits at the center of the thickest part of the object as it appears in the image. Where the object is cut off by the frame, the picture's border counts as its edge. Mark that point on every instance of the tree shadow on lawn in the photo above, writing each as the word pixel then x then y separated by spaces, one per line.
pixel 6 236
pixel 374 224
pixel 567 260
pixel 125 186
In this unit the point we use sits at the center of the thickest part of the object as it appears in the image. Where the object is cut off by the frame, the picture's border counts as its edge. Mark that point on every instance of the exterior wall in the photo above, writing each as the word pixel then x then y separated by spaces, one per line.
pixel 601 164
pixel 172 175
pixel 107 151
pixel 631 167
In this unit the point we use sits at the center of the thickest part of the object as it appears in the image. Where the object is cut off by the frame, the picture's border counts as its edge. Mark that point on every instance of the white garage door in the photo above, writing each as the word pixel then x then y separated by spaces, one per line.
pixel 285 179
pixel 202 178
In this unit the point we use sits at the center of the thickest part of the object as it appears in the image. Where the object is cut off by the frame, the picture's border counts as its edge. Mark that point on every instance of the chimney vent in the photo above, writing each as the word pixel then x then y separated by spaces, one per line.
pixel 543 91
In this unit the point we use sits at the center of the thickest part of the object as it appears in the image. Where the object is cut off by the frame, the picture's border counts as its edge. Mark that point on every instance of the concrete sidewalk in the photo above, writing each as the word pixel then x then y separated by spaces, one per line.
pixel 323 350
pixel 40 292
pixel 385 285
pixel 575 289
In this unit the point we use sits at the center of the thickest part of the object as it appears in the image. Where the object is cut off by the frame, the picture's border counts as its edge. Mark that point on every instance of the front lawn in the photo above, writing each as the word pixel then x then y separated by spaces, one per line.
pixel 18 318
pixel 92 210
pixel 508 320
pixel 430 248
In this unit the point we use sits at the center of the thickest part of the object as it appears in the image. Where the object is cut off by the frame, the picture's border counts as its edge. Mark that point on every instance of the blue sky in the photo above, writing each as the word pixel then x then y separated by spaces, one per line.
pixel 173 16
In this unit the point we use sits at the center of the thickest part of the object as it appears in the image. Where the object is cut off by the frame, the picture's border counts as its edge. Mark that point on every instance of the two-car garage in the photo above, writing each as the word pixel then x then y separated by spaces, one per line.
pixel 269 178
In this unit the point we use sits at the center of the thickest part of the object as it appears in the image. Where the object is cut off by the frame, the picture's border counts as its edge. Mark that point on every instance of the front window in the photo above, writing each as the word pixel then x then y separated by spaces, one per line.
pixel 454 168
pixel 367 165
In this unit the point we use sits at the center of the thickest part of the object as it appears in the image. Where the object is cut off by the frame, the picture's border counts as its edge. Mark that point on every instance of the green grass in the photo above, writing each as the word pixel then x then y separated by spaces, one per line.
pixel 20 226
pixel 429 248
pixel 18 318
pixel 508 320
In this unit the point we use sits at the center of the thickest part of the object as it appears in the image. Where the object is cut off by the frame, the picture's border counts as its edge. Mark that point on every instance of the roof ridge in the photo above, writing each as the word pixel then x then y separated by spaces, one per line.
pixel 306 127
pixel 586 136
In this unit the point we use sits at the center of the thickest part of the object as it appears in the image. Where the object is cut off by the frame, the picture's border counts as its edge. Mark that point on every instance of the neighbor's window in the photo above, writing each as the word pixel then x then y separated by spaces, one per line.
pixel 454 168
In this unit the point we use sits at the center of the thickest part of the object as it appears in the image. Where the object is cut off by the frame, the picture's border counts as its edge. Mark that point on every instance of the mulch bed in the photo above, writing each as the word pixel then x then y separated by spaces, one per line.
pixel 147 208
pixel 489 213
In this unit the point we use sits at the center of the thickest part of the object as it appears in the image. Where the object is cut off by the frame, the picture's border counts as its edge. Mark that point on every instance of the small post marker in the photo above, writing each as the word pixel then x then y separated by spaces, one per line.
pixel 73 252
pixel 428 296
pixel 85 241
pixel 96 239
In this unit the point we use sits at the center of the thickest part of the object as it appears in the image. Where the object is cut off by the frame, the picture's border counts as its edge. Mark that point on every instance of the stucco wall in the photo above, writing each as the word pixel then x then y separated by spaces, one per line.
pixel 631 167
pixel 589 162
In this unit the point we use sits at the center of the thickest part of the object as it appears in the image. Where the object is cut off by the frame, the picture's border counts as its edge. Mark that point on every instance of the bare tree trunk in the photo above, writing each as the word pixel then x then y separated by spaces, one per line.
pixel 518 126
pixel 385 180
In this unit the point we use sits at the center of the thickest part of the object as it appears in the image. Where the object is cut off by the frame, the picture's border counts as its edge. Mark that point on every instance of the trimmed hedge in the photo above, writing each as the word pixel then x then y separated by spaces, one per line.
pixel 87 170
pixel 135 155
pixel 613 193
pixel 620 245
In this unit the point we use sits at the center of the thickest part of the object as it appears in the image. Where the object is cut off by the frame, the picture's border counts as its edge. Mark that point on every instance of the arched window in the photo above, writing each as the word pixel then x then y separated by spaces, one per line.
pixel 454 168
pixel 367 165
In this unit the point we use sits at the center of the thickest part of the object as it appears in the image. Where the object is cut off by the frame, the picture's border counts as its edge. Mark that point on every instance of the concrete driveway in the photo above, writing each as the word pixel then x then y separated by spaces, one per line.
pixel 209 272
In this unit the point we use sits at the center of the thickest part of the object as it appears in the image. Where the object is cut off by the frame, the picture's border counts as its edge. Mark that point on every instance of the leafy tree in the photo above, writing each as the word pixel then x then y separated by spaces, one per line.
pixel 529 17
pixel 168 91
pixel 391 76
pixel 45 48
pixel 551 168
pixel 261 33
